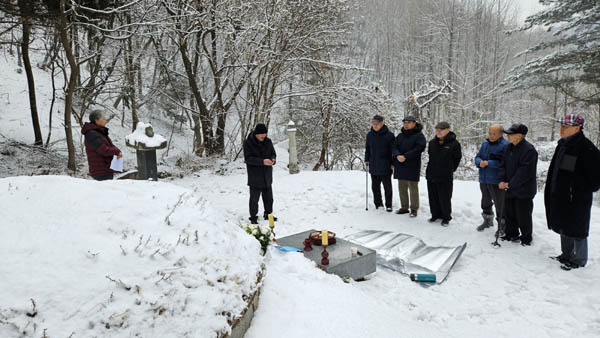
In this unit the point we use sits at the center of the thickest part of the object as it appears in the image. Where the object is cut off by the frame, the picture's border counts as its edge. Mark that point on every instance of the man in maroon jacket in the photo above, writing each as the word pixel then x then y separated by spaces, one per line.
pixel 98 147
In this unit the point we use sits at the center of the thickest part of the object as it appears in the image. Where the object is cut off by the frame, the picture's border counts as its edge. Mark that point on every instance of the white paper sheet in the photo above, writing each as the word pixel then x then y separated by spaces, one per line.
pixel 116 164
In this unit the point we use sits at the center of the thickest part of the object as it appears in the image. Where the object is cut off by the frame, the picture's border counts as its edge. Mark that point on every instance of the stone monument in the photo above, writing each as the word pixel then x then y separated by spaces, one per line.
pixel 145 143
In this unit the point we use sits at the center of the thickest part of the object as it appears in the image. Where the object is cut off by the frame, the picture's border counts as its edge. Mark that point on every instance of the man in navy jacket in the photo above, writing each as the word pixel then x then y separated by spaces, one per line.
pixel 407 150
pixel 488 161
pixel 378 156
pixel 517 175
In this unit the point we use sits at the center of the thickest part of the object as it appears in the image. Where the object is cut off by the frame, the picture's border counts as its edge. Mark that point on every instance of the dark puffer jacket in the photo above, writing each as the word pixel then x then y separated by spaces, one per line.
pixel 255 152
pixel 99 149
pixel 443 158
pixel 519 168
pixel 410 143
pixel 378 151
pixel 573 177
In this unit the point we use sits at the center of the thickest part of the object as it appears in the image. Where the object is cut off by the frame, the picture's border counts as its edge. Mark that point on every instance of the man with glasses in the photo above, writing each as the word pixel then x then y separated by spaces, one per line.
pixel 407 150
pixel 378 157
pixel 573 177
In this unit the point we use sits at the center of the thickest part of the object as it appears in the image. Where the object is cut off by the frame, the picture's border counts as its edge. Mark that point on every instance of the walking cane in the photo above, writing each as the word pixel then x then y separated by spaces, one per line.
pixel 367 187
pixel 495 243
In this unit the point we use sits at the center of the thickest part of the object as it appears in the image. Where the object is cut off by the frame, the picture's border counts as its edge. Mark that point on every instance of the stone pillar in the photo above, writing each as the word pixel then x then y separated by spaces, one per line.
pixel 145 143
pixel 293 166
pixel 146 160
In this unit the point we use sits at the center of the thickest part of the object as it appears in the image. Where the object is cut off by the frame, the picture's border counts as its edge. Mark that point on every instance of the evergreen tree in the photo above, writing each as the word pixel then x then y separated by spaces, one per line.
pixel 576 49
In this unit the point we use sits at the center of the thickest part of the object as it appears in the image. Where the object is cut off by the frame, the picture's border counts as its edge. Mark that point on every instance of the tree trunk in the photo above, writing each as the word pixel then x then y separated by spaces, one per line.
pixel 130 75
pixel 30 81
pixel 74 67
pixel 324 141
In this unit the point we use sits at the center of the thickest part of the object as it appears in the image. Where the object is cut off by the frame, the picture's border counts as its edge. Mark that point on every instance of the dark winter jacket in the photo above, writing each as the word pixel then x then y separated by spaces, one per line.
pixel 491 152
pixel 255 152
pixel 518 168
pixel 573 176
pixel 410 143
pixel 443 158
pixel 99 149
pixel 378 151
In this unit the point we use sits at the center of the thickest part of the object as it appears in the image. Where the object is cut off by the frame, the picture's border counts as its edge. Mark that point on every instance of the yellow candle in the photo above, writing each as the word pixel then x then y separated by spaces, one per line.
pixel 271 221
pixel 324 238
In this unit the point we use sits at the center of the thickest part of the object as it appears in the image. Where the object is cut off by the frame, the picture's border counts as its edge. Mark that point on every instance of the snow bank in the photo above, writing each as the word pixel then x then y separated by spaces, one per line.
pixel 118 259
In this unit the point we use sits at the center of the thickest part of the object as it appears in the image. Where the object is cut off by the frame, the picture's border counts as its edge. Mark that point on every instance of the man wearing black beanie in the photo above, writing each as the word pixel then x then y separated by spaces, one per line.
pixel 260 156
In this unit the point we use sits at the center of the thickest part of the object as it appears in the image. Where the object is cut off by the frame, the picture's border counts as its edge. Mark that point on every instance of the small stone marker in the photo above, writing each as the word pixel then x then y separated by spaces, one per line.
pixel 342 260
pixel 293 166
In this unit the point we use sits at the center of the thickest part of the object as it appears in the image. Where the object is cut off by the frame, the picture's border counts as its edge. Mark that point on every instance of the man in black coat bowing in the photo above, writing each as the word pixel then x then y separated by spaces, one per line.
pixel 517 175
pixel 573 177
pixel 378 156
pixel 444 157
pixel 260 156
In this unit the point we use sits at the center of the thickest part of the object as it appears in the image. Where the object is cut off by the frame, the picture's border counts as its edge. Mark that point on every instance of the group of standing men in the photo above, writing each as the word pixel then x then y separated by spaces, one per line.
pixel 402 154
pixel 507 177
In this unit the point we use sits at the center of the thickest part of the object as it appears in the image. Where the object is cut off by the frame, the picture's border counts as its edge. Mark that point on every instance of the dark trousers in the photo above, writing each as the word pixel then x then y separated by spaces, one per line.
pixel 376 181
pixel 440 199
pixel 103 177
pixel 491 196
pixel 267 197
pixel 575 249
pixel 517 215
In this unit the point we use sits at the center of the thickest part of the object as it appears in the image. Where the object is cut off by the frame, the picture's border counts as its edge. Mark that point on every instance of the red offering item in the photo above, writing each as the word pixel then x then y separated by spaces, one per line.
pixel 316 238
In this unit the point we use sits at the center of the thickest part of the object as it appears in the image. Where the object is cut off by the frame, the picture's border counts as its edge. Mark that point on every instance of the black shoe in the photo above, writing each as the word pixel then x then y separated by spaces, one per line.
pixel 509 238
pixel 389 209
pixel 567 266
pixel 413 213
pixel 402 211
pixel 526 243
pixel 266 217
pixel 432 219
pixel 560 258
pixel 445 223
pixel 253 220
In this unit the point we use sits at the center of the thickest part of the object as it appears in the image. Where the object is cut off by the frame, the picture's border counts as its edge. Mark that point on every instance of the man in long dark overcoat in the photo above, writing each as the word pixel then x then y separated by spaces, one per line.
pixel 573 177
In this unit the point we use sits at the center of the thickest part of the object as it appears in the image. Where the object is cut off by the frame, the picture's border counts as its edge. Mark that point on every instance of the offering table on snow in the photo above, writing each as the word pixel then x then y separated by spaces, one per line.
pixel 145 143
pixel 346 259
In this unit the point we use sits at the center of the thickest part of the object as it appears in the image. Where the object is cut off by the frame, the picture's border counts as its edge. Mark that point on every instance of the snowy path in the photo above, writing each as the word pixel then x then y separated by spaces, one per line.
pixel 513 291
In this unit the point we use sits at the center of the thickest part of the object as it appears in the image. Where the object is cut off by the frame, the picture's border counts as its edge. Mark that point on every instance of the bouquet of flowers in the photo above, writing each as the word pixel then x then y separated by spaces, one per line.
pixel 262 233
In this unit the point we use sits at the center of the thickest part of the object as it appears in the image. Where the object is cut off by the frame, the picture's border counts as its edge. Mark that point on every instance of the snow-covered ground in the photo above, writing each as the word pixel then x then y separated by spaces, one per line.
pixel 61 239
pixel 512 291
pixel 118 259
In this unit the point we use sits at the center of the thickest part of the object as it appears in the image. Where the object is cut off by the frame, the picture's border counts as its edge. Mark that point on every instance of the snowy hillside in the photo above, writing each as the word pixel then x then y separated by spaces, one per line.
pixel 118 259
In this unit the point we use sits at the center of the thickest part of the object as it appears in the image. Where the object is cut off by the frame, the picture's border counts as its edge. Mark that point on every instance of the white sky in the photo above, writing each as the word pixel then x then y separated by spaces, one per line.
pixel 527 7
